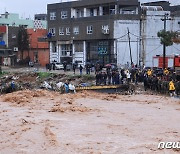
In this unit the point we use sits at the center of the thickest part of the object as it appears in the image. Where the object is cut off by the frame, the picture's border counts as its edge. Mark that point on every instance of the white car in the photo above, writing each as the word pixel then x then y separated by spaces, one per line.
pixel 59 66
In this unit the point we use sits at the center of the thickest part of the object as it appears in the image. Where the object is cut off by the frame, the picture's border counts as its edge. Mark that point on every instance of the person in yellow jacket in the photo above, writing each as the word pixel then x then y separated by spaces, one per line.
pixel 166 72
pixel 171 88
pixel 149 72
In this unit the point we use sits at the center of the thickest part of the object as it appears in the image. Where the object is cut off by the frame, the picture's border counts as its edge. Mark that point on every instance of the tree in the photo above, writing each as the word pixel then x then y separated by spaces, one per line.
pixel 167 40
pixel 23 40
pixel 177 38
pixel 167 37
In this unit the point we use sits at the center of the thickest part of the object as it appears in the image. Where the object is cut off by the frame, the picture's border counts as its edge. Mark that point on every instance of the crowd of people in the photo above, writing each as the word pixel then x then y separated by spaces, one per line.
pixel 162 81
pixel 159 80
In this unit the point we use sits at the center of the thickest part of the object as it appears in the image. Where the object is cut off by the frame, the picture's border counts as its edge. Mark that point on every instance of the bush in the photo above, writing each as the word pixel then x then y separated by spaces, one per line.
pixel 3 73
pixel 88 77
pixel 44 74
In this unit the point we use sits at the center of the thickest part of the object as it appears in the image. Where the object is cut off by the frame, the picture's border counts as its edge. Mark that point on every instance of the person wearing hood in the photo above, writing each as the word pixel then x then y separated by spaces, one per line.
pixel 171 88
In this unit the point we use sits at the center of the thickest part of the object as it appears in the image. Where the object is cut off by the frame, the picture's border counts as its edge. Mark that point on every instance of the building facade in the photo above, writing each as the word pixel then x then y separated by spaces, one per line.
pixel 152 21
pixel 109 31
pixel 87 31
pixel 8 45
pixel 38 47
pixel 9 27
pixel 12 19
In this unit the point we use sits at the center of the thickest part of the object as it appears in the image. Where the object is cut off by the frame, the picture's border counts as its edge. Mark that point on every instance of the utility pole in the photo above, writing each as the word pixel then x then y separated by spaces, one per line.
pixel 164 46
pixel 130 46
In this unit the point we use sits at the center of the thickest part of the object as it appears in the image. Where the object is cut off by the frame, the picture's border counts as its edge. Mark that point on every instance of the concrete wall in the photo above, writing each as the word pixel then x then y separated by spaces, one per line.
pixel 123 52
pixel 43 56
pixel 152 46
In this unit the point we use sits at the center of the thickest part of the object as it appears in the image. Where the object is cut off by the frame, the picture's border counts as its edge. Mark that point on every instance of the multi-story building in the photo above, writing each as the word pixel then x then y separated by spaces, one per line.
pixel 38 47
pixel 40 17
pixel 12 19
pixel 152 21
pixel 109 31
pixel 8 45
pixel 91 31
pixel 9 27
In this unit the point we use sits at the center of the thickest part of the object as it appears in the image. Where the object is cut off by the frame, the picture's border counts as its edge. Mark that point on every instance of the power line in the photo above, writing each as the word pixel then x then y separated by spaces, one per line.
pixel 153 50
pixel 175 48
pixel 122 36
pixel 134 35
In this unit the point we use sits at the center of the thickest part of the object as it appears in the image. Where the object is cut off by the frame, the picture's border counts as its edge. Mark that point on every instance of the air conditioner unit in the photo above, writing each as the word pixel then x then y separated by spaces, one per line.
pixel 15 48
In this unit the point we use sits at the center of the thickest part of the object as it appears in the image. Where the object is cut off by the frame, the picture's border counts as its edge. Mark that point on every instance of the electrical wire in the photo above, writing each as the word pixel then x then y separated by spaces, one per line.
pixel 153 50
pixel 121 36
pixel 175 48
pixel 134 35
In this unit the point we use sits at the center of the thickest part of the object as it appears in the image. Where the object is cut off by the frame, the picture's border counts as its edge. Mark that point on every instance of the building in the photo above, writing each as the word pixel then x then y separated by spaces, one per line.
pixel 91 31
pixel 9 27
pixel 39 47
pixel 8 45
pixel 40 17
pixel 152 21
pixel 110 31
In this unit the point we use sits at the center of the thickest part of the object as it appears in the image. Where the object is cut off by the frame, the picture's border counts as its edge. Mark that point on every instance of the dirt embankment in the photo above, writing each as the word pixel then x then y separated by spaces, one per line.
pixel 32 80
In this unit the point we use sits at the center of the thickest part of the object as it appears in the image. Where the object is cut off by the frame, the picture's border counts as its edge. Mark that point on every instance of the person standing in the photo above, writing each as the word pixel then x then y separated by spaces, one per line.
pixel 74 68
pixel 149 72
pixel 97 78
pixel 80 69
pixel 171 88
pixel 145 83
pixel 87 69
pixel 109 75
pixel 128 74
pixel 117 77
pixel 104 77
pixel 113 77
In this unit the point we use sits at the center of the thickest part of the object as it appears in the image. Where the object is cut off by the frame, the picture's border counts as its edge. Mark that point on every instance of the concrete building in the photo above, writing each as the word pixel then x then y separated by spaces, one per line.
pixel 8 45
pixel 88 31
pixel 12 19
pixel 9 26
pixel 38 47
pixel 151 23
pixel 109 31
pixel 40 17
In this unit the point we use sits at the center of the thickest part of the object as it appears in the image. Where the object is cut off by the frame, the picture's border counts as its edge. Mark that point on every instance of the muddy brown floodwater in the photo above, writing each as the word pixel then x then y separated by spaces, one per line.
pixel 87 122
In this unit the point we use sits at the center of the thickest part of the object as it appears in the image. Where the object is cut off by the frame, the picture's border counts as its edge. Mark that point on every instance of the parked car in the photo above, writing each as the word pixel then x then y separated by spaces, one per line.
pixel 59 66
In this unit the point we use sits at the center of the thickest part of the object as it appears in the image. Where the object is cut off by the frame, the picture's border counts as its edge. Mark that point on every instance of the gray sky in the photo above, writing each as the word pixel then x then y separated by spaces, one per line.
pixel 28 8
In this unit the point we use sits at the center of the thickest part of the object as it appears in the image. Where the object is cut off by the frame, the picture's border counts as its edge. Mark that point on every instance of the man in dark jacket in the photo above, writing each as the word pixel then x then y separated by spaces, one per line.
pixel 80 69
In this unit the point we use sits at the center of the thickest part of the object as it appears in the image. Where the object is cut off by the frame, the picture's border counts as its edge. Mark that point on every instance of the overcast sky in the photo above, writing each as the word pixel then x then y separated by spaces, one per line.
pixel 28 8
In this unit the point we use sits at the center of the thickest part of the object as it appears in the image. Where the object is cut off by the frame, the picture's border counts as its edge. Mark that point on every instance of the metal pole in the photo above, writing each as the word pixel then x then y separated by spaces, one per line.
pixel 137 53
pixel 116 51
pixel 130 46
pixel 164 46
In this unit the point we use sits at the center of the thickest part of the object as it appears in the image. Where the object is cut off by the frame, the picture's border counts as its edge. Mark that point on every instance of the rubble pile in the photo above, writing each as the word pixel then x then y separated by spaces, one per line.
pixel 33 80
